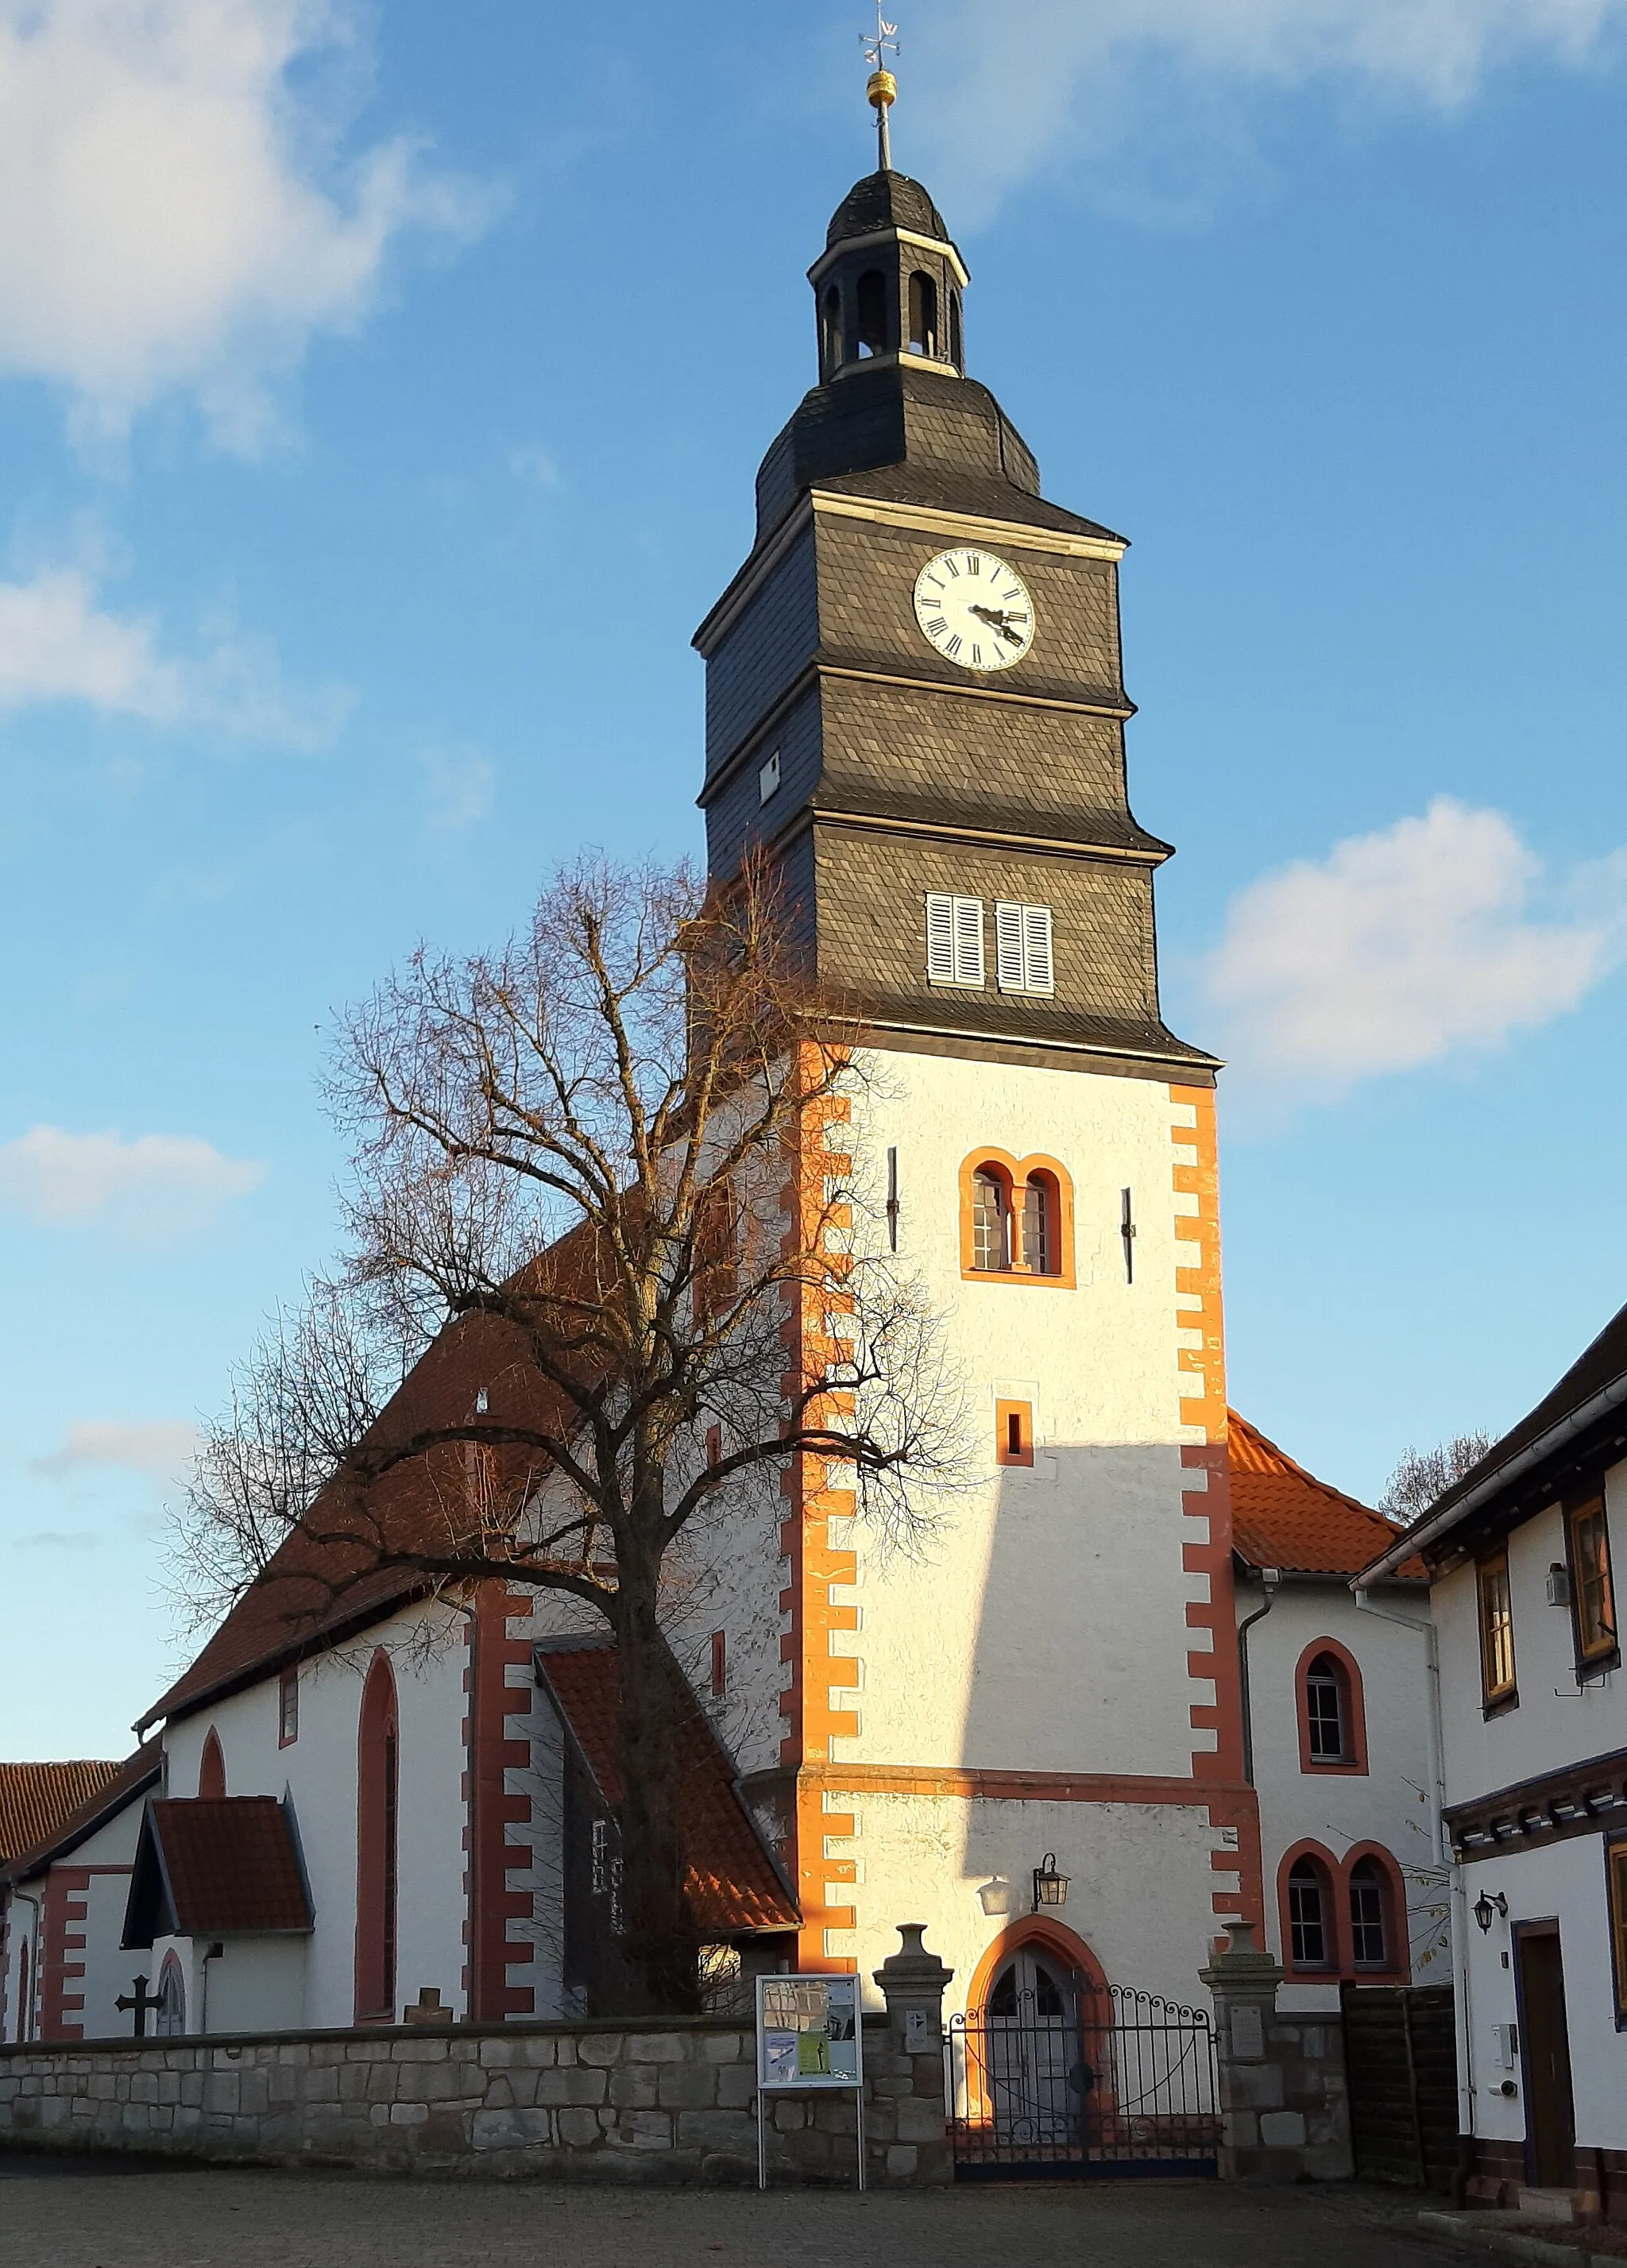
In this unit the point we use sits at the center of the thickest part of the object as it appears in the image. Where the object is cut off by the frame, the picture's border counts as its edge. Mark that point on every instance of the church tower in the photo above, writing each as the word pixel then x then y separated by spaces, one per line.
pixel 915 704
pixel 915 696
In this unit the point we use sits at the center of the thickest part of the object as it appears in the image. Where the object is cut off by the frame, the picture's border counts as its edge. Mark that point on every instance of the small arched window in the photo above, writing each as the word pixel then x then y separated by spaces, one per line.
pixel 923 315
pixel 873 338
pixel 212 1768
pixel 991 1221
pixel 1370 1915
pixel 1326 1711
pixel 1310 1916
pixel 830 329
pixel 1332 1731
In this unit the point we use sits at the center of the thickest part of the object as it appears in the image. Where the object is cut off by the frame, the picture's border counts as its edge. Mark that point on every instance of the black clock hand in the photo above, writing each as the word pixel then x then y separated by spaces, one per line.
pixel 996 621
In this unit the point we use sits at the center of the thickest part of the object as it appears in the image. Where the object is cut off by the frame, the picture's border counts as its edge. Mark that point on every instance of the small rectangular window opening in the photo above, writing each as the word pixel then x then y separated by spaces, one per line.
pixel 719 1664
pixel 288 1708
pixel 769 777
pixel 1014 1432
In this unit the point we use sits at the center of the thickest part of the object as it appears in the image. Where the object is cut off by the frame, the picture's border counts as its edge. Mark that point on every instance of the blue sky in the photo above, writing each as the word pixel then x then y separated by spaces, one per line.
pixel 352 362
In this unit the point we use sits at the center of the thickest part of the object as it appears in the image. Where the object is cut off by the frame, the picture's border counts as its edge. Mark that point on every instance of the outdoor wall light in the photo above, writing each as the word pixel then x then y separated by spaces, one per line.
pixel 1488 1909
pixel 996 1895
pixel 1050 1889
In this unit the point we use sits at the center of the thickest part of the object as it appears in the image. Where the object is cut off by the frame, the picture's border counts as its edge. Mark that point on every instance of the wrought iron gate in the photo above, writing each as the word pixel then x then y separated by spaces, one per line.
pixel 1118 2082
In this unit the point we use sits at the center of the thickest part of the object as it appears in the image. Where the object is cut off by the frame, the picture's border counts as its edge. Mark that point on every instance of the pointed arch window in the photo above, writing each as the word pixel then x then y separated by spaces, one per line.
pixel 377 1800
pixel 212 1766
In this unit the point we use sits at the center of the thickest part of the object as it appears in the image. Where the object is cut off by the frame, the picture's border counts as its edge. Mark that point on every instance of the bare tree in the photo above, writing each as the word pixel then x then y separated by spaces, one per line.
pixel 605 1188
pixel 1423 1475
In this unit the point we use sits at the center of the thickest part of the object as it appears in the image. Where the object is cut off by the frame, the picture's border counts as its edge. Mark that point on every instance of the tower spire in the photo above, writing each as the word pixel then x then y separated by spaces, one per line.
pixel 883 89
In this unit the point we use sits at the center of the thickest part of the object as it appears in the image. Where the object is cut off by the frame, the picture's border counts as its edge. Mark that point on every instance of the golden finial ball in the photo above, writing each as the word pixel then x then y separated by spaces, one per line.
pixel 883 89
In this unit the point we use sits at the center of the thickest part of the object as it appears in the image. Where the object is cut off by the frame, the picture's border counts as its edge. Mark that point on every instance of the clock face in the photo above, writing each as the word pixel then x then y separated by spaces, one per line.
pixel 975 609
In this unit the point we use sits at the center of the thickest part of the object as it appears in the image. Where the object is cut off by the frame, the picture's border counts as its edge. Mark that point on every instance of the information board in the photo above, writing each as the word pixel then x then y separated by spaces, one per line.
pixel 808 2032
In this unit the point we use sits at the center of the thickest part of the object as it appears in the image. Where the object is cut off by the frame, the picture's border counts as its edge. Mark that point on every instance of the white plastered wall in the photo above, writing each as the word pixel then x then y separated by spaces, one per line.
pixel 1388 1803
pixel 1563 1882
pixel 428 1654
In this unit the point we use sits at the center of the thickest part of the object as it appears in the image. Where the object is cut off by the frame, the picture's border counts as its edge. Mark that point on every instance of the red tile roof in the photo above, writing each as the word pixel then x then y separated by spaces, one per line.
pixel 114 1785
pixel 36 1799
pixel 733 1885
pixel 325 1582
pixel 1282 1516
pixel 216 1866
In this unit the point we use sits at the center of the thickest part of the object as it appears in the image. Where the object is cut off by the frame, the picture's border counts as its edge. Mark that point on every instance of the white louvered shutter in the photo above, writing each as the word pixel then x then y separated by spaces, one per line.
pixel 969 941
pixel 1008 948
pixel 1036 948
pixel 940 938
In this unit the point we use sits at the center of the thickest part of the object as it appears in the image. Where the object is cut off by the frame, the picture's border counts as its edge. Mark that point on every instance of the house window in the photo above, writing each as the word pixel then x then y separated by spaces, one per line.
pixel 1022 948
pixel 1014 1432
pixel 1310 1932
pixel 1593 1601
pixel 719 1665
pixel 954 941
pixel 990 1222
pixel 288 1708
pixel 714 1448
pixel 1616 1895
pixel 1325 1711
pixel 1369 1921
pixel 1497 1632
pixel 769 777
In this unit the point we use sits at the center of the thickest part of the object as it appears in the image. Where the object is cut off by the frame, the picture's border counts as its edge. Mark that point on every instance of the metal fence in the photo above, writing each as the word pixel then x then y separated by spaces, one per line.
pixel 1113 2080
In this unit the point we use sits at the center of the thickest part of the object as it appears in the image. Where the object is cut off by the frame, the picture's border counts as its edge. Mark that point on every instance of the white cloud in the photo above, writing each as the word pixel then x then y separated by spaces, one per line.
pixel 462 787
pixel 58 644
pixel 158 1186
pixel 1089 78
pixel 533 463
pixel 158 1449
pixel 1406 945
pixel 170 214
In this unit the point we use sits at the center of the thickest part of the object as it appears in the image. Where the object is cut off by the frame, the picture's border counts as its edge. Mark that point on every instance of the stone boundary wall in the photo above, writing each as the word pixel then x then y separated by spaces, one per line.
pixel 589 2100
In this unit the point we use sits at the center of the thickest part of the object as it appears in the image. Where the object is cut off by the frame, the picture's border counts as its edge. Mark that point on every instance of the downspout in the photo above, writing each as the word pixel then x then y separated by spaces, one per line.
pixel 1457 1904
pixel 1270 1577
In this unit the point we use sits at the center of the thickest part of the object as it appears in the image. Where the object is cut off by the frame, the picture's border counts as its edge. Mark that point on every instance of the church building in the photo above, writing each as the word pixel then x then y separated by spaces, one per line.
pixel 1034 1737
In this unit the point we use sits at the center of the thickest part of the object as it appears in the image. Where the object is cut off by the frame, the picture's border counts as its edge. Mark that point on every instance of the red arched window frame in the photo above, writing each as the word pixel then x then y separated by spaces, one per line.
pixel 1293 1920
pixel 378 1801
pixel 1351 1705
pixel 212 1766
pixel 1027 1186
pixel 1379 1869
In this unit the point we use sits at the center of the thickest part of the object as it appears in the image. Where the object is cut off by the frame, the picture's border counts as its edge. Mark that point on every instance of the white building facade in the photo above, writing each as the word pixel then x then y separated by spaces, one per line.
pixel 1521 1553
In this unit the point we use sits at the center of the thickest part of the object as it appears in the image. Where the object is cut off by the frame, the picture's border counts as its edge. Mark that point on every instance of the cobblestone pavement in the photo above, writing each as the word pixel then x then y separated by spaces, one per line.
pixel 200 2218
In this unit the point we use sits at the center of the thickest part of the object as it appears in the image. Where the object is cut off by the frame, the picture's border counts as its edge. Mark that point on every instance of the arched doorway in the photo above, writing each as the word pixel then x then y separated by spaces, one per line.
pixel 1056 2073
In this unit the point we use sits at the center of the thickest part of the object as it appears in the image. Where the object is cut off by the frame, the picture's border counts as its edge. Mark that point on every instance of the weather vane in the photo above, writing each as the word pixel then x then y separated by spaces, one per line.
pixel 883 87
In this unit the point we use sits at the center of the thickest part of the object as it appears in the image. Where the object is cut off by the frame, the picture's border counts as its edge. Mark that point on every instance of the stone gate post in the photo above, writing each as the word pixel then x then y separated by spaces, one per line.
pixel 907 2081
pixel 1284 2110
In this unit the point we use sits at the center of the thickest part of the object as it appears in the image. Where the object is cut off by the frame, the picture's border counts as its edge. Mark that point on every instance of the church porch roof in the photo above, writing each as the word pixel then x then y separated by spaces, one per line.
pixel 216 1866
pixel 734 1887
